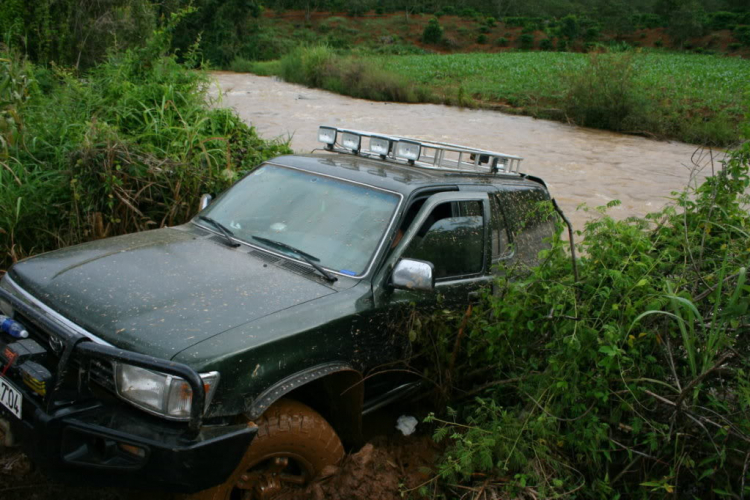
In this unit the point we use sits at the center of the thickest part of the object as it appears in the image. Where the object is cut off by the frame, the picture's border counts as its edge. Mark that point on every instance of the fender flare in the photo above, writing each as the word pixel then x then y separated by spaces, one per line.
pixel 286 385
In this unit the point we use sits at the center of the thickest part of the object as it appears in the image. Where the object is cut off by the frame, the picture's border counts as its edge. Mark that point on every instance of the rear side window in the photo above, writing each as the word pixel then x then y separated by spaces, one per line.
pixel 522 208
pixel 529 222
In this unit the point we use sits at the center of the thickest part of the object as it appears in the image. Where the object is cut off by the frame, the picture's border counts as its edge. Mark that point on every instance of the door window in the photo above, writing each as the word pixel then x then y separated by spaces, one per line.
pixel 452 239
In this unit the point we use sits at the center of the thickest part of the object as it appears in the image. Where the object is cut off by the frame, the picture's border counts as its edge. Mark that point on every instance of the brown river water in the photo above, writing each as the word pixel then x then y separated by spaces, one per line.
pixel 580 165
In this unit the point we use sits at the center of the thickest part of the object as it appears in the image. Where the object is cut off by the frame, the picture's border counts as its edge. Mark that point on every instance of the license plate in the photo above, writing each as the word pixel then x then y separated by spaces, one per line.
pixel 10 397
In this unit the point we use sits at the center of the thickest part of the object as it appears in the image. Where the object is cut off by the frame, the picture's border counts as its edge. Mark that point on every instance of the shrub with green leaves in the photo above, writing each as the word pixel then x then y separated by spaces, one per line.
pixel 742 34
pixel 433 32
pixel 526 41
pixel 547 44
pixel 502 42
pixel 722 20
pixel 629 381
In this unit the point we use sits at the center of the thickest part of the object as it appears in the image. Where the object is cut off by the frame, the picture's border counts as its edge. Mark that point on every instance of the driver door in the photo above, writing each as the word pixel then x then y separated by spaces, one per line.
pixel 451 232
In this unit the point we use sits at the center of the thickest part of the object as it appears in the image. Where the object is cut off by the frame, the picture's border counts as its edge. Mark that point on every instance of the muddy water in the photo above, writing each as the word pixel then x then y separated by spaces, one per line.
pixel 580 165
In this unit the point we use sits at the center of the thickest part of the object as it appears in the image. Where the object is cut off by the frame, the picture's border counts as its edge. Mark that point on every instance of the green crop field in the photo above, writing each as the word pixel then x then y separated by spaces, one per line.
pixel 716 83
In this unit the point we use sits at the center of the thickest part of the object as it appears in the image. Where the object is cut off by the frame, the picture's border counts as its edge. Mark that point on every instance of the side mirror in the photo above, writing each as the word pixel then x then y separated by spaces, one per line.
pixel 411 274
pixel 205 201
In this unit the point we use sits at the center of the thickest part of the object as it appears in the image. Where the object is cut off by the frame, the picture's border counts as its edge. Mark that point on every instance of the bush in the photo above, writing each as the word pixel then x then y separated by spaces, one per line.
pixel 742 34
pixel 547 44
pixel 241 65
pixel 557 380
pixel 468 12
pixel 482 39
pixel 659 43
pixel 562 45
pixel 526 41
pixel 484 29
pixel 722 20
pixel 650 21
pixel 570 27
pixel 130 147
pixel 321 67
pixel 75 33
pixel 604 93
pixel 433 32
pixel 490 21
pixel 502 42
pixel 515 22
pixel 449 10
pixel 733 47
pixel 592 34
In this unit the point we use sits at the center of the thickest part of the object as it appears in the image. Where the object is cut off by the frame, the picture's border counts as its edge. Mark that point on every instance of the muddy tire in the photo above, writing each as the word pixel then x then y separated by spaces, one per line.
pixel 294 443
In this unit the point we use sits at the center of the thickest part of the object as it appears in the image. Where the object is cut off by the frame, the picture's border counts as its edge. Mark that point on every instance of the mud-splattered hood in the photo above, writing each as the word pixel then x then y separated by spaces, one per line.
pixel 159 292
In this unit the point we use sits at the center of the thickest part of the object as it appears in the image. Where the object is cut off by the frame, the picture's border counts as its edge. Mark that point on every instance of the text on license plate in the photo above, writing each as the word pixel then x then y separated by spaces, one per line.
pixel 10 397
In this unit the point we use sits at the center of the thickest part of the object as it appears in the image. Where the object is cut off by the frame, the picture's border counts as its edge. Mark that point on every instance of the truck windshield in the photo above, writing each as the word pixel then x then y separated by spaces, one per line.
pixel 337 222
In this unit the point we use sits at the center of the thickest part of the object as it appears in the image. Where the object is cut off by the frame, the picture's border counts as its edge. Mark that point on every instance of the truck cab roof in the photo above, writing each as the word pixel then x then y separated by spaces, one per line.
pixel 397 177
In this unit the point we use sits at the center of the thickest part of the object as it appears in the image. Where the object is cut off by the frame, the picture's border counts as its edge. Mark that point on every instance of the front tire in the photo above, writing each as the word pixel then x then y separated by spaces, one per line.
pixel 294 443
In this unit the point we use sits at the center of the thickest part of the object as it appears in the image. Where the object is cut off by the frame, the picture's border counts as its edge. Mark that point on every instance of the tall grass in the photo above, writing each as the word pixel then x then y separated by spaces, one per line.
pixel 130 146
pixel 322 67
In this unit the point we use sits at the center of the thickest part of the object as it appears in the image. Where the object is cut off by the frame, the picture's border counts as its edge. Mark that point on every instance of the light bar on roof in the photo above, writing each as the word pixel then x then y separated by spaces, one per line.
pixel 422 153
pixel 380 145
pixel 351 141
pixel 408 150
pixel 327 135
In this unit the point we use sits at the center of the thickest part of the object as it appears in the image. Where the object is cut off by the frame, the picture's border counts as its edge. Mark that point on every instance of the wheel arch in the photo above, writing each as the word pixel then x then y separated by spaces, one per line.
pixel 334 390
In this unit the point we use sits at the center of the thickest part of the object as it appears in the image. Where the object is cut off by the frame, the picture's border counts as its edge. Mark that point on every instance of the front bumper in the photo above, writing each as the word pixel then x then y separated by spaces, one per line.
pixel 111 445
pixel 74 428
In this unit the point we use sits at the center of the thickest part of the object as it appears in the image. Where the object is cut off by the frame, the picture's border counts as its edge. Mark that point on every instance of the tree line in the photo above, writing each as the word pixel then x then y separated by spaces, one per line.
pixel 80 33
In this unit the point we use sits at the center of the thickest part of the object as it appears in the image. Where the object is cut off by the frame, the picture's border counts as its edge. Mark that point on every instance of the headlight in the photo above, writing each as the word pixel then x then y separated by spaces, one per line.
pixel 166 395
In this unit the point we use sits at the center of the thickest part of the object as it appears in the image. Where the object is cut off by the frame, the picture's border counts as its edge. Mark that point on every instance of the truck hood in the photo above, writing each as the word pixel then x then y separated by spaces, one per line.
pixel 159 292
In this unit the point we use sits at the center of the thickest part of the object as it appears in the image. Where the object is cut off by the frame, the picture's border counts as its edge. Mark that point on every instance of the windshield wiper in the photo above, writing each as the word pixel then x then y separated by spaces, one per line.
pixel 310 259
pixel 223 230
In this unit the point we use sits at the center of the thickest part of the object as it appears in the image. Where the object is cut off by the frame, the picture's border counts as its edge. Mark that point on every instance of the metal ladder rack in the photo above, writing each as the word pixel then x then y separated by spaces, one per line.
pixel 424 154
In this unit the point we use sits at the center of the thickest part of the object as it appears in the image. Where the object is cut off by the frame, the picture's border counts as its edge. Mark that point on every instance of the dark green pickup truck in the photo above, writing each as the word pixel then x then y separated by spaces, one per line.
pixel 225 358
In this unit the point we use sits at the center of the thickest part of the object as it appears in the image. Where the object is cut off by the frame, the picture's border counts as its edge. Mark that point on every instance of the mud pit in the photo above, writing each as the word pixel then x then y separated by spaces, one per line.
pixel 387 465
pixel 581 166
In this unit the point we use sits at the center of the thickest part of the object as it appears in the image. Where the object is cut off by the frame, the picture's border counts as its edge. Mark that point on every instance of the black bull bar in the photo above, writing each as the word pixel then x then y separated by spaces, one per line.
pixel 85 348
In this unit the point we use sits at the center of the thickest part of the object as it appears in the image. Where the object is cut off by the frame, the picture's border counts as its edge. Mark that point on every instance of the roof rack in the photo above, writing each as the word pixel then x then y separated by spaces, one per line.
pixel 425 154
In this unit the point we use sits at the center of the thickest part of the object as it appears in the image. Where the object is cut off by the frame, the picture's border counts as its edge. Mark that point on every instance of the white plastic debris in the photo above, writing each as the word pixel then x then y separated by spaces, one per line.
pixel 406 424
